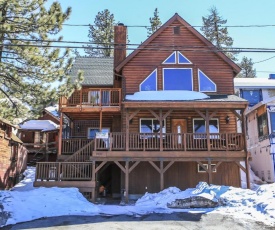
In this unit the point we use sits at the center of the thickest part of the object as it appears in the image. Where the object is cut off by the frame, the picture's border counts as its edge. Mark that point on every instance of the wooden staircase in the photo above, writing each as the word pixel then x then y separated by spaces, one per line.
pixel 75 171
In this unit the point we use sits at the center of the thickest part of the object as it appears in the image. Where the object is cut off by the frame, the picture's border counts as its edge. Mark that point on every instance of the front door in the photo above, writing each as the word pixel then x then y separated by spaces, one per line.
pixel 179 126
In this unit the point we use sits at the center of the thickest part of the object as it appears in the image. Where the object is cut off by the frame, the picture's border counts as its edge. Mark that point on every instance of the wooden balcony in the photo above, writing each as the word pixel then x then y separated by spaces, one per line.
pixel 189 145
pixel 92 99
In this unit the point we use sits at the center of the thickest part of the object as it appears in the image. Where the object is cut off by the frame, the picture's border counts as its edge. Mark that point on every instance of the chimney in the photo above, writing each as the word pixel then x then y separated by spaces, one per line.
pixel 120 44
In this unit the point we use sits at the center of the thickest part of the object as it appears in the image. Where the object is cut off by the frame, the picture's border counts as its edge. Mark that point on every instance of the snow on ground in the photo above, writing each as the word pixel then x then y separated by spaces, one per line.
pixel 25 203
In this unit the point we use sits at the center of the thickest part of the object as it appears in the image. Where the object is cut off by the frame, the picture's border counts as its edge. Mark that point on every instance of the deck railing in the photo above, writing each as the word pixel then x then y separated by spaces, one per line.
pixel 93 97
pixel 63 171
pixel 172 141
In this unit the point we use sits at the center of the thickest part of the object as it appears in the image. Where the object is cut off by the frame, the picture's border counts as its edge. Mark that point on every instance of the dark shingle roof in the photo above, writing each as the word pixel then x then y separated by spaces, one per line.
pixel 97 70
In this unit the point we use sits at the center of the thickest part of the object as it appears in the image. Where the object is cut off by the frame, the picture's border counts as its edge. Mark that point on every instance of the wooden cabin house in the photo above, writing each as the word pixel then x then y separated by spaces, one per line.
pixel 165 115
pixel 13 156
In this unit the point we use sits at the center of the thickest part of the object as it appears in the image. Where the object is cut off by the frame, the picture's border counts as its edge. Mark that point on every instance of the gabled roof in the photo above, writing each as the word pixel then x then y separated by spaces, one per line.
pixel 97 70
pixel 53 112
pixel 176 17
pixel 39 125
pixel 2 120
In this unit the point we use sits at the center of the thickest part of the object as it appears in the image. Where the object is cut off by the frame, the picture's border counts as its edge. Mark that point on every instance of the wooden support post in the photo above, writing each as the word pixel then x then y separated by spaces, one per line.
pixel 207 130
pixel 100 121
pixel 247 173
pixel 93 179
pixel 127 130
pixel 127 181
pixel 161 176
pixel 60 134
pixel 209 172
pixel 160 131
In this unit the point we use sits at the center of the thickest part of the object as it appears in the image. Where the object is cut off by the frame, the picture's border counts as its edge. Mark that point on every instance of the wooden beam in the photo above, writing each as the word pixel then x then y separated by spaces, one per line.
pixel 240 166
pixel 127 129
pixel 237 114
pixel 160 131
pixel 155 166
pixel 201 114
pixel 100 166
pixel 202 165
pixel 168 166
pixel 133 166
pixel 93 179
pixel 167 114
pixel 161 176
pixel 120 166
pixel 209 172
pixel 134 114
pixel 154 114
pixel 216 166
pixel 127 181
pixel 100 120
pixel 212 114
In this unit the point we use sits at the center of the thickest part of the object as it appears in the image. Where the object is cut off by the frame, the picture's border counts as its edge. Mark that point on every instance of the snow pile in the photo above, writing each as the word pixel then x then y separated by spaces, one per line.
pixel 25 203
pixel 43 125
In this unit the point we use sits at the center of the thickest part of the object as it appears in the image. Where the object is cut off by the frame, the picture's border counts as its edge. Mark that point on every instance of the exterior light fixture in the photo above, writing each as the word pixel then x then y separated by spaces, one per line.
pixel 227 119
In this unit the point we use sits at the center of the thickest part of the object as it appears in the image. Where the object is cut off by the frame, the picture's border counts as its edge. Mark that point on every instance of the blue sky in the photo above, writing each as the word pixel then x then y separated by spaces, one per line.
pixel 137 13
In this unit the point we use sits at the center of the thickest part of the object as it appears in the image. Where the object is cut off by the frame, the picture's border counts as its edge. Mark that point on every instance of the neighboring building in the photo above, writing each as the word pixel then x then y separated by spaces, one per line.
pixel 260 118
pixel 13 156
pixel 163 116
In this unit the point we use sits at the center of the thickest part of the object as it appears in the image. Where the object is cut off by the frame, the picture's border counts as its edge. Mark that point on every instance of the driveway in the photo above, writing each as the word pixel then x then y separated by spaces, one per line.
pixel 183 221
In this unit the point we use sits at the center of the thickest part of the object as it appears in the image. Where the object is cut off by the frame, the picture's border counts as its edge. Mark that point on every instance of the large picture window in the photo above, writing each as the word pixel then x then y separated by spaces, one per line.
pixel 199 126
pixel 177 79
pixel 151 125
pixel 254 96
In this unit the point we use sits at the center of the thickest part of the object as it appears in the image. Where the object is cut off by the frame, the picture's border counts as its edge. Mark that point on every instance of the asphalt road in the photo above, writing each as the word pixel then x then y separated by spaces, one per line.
pixel 183 221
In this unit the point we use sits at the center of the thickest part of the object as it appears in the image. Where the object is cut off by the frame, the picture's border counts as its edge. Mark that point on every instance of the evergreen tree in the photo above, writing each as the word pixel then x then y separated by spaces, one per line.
pixel 102 34
pixel 247 68
pixel 155 23
pixel 28 64
pixel 217 34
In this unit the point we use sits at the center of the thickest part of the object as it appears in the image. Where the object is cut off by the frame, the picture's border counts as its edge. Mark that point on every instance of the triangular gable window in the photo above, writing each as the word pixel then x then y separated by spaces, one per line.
pixel 177 58
pixel 206 84
pixel 182 59
pixel 171 59
pixel 150 83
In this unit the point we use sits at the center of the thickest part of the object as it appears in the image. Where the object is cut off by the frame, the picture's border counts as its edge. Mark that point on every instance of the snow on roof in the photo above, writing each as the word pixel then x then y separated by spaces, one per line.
pixel 254 83
pixel 43 125
pixel 53 110
pixel 166 95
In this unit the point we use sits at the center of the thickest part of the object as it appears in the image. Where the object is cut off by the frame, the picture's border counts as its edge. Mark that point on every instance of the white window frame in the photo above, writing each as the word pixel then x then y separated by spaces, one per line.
pixel 201 170
pixel 201 119
pixel 163 128
pixel 149 76
pixel 192 82
pixel 199 71
pixel 175 52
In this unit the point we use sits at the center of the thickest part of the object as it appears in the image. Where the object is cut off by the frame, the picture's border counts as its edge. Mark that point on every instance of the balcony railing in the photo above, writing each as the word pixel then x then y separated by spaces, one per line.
pixel 168 142
pixel 93 97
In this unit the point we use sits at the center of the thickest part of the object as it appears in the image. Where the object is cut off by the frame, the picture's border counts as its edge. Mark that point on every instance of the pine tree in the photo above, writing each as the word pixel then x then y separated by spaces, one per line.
pixel 247 68
pixel 217 34
pixel 28 64
pixel 102 35
pixel 155 23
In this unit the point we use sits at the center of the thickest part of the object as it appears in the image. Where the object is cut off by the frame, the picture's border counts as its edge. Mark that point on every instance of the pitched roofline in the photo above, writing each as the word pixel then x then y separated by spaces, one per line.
pixel 234 66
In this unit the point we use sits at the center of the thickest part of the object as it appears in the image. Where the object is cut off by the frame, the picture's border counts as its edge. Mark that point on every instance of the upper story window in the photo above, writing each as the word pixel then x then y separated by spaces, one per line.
pixel 206 84
pixel 272 122
pixel 151 125
pixel 254 96
pixel 177 58
pixel 177 79
pixel 150 83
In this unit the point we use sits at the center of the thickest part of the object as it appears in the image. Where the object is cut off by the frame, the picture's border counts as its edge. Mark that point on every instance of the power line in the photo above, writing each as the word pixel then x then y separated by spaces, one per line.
pixel 264 60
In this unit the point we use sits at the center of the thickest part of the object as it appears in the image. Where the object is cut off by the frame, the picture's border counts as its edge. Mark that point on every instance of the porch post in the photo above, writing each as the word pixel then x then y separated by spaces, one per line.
pixel 209 172
pixel 127 130
pixel 60 134
pixel 100 120
pixel 161 175
pixel 94 180
pixel 207 130
pixel 127 181
pixel 160 131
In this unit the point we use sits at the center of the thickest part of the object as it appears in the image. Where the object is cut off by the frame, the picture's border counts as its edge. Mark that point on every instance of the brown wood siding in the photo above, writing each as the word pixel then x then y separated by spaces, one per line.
pixel 146 61
pixel 189 116
pixel 145 178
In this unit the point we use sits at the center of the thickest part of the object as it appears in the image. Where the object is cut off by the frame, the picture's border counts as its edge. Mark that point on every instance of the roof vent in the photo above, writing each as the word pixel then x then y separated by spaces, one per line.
pixel 176 30
pixel 272 76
